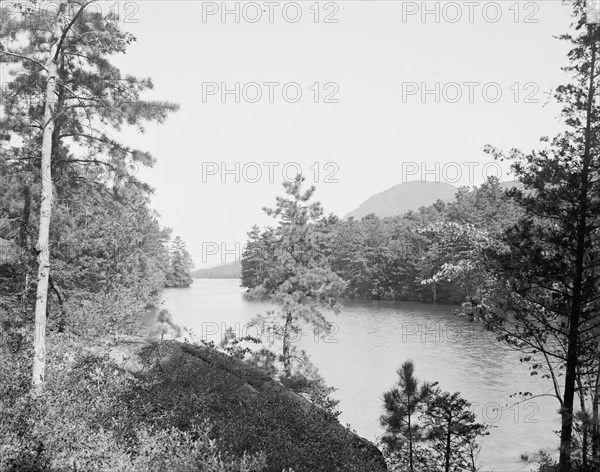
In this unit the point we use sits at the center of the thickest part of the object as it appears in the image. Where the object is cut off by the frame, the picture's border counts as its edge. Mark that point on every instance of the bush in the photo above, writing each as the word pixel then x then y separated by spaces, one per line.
pixel 289 431
pixel 186 409
pixel 83 423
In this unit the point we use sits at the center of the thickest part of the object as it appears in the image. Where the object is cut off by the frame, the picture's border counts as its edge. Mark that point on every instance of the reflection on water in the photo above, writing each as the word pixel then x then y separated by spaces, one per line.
pixel 370 341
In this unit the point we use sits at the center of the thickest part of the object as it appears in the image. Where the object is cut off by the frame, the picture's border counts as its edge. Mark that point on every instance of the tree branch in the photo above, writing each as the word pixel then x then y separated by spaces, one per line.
pixel 20 56
pixel 69 26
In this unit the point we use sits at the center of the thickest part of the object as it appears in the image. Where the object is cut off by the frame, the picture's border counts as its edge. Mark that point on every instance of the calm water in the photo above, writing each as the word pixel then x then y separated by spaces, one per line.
pixel 372 338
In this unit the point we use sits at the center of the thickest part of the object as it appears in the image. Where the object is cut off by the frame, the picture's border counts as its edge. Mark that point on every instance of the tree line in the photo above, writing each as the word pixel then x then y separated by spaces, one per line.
pixel 396 257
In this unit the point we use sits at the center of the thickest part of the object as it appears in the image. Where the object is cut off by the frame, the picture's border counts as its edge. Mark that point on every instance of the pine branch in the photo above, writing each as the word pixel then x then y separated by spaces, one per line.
pixel 20 56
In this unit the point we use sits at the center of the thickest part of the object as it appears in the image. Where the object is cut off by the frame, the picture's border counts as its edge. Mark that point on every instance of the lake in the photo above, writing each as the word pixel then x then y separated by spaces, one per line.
pixel 371 339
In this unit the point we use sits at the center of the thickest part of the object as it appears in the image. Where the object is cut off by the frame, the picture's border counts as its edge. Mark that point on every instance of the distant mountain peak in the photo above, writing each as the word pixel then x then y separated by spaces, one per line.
pixel 230 270
pixel 404 197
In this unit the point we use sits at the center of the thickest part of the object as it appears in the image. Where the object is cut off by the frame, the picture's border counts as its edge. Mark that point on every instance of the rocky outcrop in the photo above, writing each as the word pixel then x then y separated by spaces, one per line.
pixel 256 382
pixel 248 409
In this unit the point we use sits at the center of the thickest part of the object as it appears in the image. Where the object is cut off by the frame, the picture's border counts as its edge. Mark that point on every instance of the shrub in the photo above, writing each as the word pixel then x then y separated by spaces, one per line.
pixel 83 423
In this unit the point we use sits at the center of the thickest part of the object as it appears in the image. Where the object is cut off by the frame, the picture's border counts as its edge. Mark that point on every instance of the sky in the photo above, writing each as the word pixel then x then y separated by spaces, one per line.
pixel 357 95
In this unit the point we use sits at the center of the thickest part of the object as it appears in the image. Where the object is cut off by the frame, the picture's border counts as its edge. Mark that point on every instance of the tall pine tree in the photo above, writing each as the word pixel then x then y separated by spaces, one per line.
pixel 298 279
pixel 401 405
pixel 540 278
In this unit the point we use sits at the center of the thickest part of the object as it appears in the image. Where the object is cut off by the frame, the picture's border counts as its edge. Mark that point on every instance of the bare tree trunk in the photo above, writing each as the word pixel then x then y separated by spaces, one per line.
pixel 42 246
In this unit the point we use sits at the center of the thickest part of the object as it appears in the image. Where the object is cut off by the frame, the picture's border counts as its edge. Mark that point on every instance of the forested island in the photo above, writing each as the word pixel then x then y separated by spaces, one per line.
pixel 396 258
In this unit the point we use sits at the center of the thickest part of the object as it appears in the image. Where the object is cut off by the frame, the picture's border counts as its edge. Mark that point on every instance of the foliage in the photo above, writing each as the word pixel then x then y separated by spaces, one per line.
pixel 90 214
pixel 294 273
pixel 428 429
pixel 304 379
pixel 401 404
pixel 538 278
pixel 84 423
pixel 289 431
pixel 183 408
pixel 180 265
pixel 64 99
pixel 450 425
pixel 165 325
pixel 398 257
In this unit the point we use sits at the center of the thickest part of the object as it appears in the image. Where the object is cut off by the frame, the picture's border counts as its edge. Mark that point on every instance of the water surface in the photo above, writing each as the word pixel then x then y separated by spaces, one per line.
pixel 372 338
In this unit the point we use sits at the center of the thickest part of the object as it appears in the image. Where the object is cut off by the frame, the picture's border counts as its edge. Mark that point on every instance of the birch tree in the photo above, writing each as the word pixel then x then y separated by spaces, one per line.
pixel 63 97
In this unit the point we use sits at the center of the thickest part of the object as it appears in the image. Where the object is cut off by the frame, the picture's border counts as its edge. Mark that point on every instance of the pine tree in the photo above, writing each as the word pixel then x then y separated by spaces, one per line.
pixel 401 404
pixel 254 259
pixel 297 279
pixel 546 268
pixel 180 265
pixel 450 425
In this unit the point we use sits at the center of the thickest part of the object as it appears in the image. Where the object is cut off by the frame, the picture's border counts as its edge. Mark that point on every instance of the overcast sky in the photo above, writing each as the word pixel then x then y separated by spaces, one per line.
pixel 372 128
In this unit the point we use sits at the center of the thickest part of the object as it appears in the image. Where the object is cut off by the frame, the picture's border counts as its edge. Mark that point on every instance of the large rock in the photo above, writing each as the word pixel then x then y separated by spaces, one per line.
pixel 248 410
pixel 257 382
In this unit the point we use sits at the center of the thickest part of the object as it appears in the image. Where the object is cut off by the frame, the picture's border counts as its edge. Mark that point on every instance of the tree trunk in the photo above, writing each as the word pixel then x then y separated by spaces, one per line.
pixel 42 246
pixel 448 442
pixel 595 432
pixel 595 425
pixel 62 322
pixel 584 425
pixel 287 366
pixel 566 432
pixel 410 439
pixel 473 453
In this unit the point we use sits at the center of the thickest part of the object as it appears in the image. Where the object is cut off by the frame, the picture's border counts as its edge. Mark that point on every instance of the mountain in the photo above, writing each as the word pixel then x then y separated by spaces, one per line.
pixel 404 197
pixel 231 270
